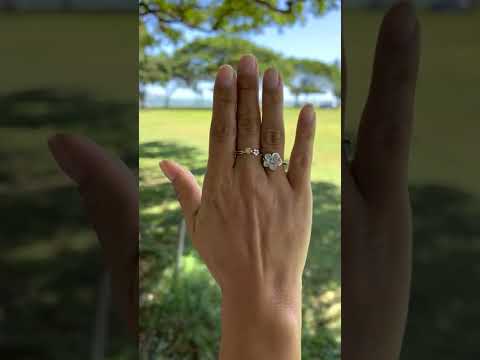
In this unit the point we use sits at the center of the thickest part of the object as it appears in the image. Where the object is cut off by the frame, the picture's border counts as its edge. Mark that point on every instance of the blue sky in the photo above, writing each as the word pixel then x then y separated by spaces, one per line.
pixel 317 38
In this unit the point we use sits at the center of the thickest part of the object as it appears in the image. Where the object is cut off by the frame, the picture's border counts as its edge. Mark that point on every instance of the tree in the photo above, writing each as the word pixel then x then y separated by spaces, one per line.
pixel 309 77
pixel 199 61
pixel 168 19
pixel 164 21
pixel 151 70
pixel 169 71
pixel 202 57
pixel 336 76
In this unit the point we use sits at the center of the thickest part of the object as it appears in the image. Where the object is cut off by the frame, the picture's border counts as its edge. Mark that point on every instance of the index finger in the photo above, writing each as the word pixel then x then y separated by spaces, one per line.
pixel 223 126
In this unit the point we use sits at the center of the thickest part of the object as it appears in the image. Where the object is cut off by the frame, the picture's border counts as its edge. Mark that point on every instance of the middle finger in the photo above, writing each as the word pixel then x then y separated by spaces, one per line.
pixel 248 109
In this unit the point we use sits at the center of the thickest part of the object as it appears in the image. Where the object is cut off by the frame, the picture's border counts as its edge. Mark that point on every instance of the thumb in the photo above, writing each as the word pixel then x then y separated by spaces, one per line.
pixel 110 194
pixel 188 191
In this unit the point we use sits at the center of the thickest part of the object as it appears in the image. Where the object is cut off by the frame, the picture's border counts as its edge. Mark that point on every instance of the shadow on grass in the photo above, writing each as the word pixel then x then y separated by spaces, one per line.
pixel 322 274
pixel 49 260
pixel 159 228
pixel 29 114
pixel 160 221
pixel 187 156
pixel 49 272
pixel 27 216
pixel 444 315
pixel 50 107
pixel 325 241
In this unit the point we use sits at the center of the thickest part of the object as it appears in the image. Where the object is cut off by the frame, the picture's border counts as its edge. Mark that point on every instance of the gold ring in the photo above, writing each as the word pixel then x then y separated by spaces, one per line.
pixel 248 151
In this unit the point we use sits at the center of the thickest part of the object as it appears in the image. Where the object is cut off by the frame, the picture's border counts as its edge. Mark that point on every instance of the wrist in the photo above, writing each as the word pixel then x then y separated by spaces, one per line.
pixel 264 323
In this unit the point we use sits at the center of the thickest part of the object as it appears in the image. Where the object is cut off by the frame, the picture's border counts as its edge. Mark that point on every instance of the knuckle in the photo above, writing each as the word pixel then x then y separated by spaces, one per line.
pixel 247 82
pixel 247 122
pixel 224 97
pixel 247 128
pixel 272 137
pixel 272 96
pixel 304 133
pixel 301 160
pixel 221 132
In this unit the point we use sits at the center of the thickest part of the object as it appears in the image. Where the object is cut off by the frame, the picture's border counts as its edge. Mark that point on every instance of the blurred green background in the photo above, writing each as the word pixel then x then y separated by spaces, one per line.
pixel 181 48
pixel 61 72
pixel 444 172
pixel 180 317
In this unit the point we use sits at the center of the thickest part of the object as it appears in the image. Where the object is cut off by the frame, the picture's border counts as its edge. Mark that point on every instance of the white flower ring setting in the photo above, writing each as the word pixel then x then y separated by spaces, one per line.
pixel 273 161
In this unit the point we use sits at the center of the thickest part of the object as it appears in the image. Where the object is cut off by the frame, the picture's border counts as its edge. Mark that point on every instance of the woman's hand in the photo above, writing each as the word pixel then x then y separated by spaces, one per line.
pixel 110 194
pixel 376 224
pixel 251 225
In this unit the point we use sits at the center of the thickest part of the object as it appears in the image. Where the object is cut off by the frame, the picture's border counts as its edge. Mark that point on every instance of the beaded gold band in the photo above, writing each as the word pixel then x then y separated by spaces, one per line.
pixel 248 151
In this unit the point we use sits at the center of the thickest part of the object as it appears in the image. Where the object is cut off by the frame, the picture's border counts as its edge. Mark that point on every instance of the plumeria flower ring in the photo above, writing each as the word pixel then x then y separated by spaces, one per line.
pixel 272 161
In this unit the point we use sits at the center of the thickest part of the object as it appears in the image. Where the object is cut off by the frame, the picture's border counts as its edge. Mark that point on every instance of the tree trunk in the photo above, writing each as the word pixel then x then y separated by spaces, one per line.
pixel 297 102
pixel 180 248
pixel 141 98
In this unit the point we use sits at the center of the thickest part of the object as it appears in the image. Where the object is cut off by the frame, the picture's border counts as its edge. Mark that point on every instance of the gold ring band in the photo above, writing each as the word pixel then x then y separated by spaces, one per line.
pixel 248 151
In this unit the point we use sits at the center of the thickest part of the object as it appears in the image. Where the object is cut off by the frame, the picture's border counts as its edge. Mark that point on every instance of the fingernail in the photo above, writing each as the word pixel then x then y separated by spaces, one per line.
pixel 225 76
pixel 247 64
pixel 167 171
pixel 271 79
pixel 60 147
pixel 309 114
pixel 402 22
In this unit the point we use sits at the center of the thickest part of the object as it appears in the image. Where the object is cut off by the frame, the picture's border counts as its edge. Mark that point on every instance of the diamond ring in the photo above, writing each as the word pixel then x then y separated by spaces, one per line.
pixel 273 161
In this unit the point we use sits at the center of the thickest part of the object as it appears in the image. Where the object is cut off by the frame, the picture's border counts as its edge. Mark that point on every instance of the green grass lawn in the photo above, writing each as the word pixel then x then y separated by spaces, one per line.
pixel 190 128
pixel 50 259
pixel 182 135
pixel 80 81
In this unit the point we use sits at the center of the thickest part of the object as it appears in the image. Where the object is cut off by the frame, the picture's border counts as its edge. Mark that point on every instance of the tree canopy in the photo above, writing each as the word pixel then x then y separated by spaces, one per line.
pixel 200 59
pixel 217 25
pixel 203 56
pixel 168 19
pixel 312 76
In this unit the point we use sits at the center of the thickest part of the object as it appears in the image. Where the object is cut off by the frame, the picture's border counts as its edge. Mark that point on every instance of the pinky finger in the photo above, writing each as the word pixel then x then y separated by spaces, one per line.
pixel 302 153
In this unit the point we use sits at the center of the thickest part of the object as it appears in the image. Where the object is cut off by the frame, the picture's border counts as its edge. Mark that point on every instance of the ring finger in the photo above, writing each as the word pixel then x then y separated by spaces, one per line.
pixel 272 128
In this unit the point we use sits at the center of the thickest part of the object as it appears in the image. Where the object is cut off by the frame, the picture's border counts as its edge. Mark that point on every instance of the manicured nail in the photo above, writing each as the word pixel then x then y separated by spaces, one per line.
pixel 167 171
pixel 308 113
pixel 61 149
pixel 271 79
pixel 402 23
pixel 247 65
pixel 225 76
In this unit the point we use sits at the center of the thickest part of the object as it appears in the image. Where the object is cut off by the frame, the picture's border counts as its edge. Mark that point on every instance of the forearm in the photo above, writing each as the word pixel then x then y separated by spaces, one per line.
pixel 261 326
